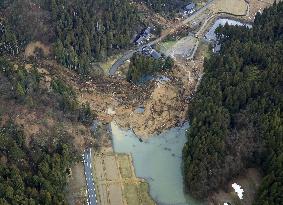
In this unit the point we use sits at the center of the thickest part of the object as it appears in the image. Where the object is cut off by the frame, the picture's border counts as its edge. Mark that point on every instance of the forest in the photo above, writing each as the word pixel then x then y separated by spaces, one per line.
pixel 26 88
pixel 34 169
pixel 32 175
pixel 142 66
pixel 236 115
pixel 88 30
pixel 81 32
pixel 165 6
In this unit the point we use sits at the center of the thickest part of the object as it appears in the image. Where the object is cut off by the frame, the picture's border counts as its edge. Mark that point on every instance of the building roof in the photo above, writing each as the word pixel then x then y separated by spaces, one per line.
pixel 190 6
pixel 140 40
pixel 147 31
pixel 155 54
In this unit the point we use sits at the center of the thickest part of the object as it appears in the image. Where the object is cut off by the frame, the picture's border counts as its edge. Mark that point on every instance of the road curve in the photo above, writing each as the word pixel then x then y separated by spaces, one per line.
pixel 130 53
pixel 92 200
pixel 120 62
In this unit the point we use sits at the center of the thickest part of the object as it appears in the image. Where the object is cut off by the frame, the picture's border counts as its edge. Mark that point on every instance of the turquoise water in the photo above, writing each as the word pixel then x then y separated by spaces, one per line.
pixel 158 160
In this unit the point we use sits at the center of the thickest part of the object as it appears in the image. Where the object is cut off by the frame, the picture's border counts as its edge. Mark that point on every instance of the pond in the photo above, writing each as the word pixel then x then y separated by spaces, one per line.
pixel 157 160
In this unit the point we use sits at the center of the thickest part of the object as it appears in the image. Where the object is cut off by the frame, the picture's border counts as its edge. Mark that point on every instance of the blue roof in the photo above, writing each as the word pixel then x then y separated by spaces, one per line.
pixel 147 31
pixel 155 54
pixel 190 6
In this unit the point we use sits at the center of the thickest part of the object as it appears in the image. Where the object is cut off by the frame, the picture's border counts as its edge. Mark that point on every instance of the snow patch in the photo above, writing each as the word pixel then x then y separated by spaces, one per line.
pixel 238 190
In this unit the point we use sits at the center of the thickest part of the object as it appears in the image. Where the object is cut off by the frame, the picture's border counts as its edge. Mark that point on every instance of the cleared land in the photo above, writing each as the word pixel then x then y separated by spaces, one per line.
pixel 235 7
pixel 182 48
pixel 31 49
pixel 249 182
pixel 116 181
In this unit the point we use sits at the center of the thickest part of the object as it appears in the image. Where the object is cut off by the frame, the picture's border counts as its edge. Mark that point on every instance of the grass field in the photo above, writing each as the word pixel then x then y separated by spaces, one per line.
pixel 203 50
pixel 137 194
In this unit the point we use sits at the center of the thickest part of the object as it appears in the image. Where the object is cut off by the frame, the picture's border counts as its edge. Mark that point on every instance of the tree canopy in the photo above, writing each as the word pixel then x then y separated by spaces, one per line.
pixel 236 115
pixel 142 66
pixel 32 175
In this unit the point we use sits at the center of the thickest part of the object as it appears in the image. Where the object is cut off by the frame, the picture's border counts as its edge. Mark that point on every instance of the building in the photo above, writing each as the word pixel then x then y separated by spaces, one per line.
pixel 140 40
pixel 149 51
pixel 155 54
pixel 190 8
pixel 143 36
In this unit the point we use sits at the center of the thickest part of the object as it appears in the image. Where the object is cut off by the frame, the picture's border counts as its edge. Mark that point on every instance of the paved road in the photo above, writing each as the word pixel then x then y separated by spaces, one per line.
pixel 120 62
pixel 89 179
pixel 167 32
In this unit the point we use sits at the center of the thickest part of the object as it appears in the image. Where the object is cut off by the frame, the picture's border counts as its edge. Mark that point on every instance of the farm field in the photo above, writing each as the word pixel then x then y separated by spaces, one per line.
pixel 116 182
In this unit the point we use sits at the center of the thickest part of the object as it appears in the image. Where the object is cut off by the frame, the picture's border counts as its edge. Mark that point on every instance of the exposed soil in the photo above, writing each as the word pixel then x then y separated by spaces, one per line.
pixel 164 109
pixel 31 48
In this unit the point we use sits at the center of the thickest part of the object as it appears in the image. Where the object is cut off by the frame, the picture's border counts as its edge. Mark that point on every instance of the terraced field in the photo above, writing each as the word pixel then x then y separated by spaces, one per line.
pixel 116 182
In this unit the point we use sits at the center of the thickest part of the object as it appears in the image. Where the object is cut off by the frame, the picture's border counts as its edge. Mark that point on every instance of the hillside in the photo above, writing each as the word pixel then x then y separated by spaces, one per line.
pixel 57 98
pixel 80 32
pixel 43 131
pixel 236 115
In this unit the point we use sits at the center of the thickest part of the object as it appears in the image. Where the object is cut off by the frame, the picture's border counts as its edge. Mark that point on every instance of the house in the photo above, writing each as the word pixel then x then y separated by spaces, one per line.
pixel 155 54
pixel 147 31
pixel 190 8
pixel 140 40
pixel 149 51
pixel 143 36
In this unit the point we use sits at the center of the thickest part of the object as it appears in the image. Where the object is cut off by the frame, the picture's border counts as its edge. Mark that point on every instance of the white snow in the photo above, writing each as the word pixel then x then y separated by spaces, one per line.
pixel 238 190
